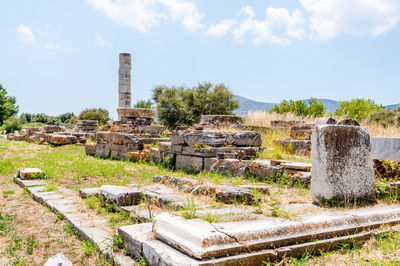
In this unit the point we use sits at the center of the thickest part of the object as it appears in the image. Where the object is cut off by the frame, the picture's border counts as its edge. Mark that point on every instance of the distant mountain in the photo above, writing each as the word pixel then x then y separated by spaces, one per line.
pixel 393 106
pixel 250 105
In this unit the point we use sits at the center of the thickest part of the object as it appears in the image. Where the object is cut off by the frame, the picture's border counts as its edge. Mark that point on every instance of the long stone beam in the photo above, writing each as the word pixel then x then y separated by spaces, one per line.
pixel 385 149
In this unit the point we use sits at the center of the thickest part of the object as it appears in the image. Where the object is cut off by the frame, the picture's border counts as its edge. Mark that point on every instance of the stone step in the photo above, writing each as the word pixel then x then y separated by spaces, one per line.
pixel 89 227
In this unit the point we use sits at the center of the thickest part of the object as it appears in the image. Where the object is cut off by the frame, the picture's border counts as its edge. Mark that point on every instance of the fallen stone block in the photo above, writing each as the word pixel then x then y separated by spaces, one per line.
pixel 348 122
pixel 138 156
pixel 285 123
pixel 231 194
pixel 221 120
pixel 295 146
pixel 155 155
pixel 133 237
pixel 203 240
pixel 121 196
pixel 58 260
pixel 243 139
pixel 325 121
pixel 190 163
pixel 263 168
pixel 301 132
pixel 385 149
pixel 90 149
pixel 227 214
pixel 164 146
pixel 62 139
pixel 163 196
pixel 30 173
pixel 243 153
pixel 342 168
pixel 53 128
pixel 207 138
pixel 297 166
pixel 89 192
pixel 233 167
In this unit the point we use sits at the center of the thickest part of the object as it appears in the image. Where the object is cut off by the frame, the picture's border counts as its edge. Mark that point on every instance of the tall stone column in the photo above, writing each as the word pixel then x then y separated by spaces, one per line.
pixel 124 83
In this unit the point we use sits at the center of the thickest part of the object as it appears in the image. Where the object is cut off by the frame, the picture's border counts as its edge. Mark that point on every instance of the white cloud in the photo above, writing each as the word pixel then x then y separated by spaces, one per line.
pixel 330 18
pixel 101 42
pixel 221 28
pixel 278 26
pixel 52 46
pixel 25 34
pixel 144 14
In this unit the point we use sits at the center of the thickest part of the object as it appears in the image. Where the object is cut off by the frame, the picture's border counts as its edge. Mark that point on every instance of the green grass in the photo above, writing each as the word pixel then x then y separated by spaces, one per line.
pixel 6 223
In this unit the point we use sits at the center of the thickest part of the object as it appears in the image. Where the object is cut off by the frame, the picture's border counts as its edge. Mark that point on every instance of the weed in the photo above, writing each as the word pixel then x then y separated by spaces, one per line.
pixel 30 243
pixel 211 218
pixel 6 193
pixel 51 186
pixel 6 223
pixel 90 248
pixel 189 209
pixel 118 242
pixel 70 230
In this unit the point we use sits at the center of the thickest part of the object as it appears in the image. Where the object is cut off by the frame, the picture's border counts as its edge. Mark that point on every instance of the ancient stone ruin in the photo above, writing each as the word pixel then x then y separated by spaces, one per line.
pixel 135 132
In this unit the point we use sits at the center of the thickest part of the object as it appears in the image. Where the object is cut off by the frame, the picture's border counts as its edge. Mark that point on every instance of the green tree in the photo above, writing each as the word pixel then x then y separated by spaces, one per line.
pixel 300 108
pixel 144 104
pixel 98 114
pixel 184 106
pixel 357 109
pixel 8 107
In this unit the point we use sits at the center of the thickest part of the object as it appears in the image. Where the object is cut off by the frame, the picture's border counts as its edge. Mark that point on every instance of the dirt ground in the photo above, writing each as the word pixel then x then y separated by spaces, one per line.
pixel 37 233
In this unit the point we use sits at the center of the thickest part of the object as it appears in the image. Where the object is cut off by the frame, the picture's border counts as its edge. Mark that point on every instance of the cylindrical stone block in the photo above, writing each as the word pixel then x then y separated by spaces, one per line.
pixel 342 171
pixel 125 60
pixel 124 81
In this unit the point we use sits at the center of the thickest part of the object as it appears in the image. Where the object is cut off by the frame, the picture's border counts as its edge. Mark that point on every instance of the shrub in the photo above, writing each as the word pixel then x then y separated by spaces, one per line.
pixel 8 106
pixel 144 104
pixel 98 114
pixel 357 109
pixel 12 124
pixel 184 106
pixel 311 108
pixel 384 117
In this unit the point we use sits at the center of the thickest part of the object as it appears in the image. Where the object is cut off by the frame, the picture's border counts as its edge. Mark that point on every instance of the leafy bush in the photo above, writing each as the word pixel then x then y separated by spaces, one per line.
pixel 300 108
pixel 7 105
pixel 144 104
pixel 98 114
pixel 184 106
pixel 385 117
pixel 12 124
pixel 357 109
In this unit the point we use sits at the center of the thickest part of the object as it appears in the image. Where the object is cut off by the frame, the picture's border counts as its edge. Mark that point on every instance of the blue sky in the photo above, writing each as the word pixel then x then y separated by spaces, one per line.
pixel 62 56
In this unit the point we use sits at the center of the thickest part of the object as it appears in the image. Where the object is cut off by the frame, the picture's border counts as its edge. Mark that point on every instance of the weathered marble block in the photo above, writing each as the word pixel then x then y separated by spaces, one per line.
pixel 341 165
pixel 30 173
pixel 385 149
pixel 301 132
pixel 189 163
pixel 121 196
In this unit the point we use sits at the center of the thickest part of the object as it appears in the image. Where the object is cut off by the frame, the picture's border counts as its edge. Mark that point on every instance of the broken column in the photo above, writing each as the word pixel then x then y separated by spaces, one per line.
pixel 124 82
pixel 342 171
